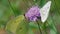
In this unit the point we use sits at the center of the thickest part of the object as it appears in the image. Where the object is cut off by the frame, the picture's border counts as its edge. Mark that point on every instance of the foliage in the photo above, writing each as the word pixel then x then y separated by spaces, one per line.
pixel 12 17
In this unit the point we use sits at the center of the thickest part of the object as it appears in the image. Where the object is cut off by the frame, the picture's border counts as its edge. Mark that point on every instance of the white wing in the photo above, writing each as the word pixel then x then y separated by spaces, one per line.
pixel 44 11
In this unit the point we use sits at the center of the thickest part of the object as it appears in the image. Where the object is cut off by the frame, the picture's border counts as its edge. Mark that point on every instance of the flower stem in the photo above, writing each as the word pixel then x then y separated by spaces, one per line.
pixel 39 28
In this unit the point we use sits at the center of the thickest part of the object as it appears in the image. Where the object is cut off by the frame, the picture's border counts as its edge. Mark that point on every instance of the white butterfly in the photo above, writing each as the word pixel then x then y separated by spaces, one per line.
pixel 44 11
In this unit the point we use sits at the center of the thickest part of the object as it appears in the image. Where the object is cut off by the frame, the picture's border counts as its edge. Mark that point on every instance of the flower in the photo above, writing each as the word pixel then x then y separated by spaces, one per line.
pixel 33 13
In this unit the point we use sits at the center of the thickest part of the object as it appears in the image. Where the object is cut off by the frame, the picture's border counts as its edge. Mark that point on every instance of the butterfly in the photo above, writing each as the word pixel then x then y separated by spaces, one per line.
pixel 17 25
pixel 44 11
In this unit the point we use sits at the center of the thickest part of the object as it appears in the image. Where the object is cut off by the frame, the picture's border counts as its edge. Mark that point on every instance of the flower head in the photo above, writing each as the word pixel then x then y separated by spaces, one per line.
pixel 33 13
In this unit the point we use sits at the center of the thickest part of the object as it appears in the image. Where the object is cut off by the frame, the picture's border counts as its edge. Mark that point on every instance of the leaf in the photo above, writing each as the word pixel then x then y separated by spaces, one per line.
pixel 33 28
pixel 55 15
pixel 30 31
pixel 51 25
pixel 52 32
pixel 33 25
pixel 42 2
pixel 17 25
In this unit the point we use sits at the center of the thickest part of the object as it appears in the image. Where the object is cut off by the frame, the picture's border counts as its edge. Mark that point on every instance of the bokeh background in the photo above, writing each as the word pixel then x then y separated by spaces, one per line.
pixel 10 11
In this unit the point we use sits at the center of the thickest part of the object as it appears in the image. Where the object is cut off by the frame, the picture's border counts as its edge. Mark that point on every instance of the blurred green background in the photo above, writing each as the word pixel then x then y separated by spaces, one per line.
pixel 10 16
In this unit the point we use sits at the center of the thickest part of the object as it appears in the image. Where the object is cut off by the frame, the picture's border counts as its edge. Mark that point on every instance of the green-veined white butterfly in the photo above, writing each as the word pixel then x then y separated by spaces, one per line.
pixel 44 11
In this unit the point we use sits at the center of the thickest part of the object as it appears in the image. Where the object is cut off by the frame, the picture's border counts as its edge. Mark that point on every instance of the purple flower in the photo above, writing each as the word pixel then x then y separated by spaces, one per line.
pixel 33 13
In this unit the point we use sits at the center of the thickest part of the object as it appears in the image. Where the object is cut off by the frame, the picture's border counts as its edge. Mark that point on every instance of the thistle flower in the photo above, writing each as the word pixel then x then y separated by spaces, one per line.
pixel 33 13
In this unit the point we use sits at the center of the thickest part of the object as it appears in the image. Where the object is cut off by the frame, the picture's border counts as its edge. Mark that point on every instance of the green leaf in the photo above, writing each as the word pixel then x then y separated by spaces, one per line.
pixel 52 32
pixel 51 25
pixel 33 25
pixel 55 16
pixel 17 25
pixel 30 31
pixel 42 3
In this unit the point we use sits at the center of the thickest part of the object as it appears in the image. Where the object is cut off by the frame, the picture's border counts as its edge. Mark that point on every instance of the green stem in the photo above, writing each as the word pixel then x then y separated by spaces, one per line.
pixel 39 28
pixel 45 28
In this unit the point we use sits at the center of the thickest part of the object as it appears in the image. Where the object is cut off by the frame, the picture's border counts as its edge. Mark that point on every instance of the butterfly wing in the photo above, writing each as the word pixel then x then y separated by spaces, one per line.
pixel 44 11
pixel 17 26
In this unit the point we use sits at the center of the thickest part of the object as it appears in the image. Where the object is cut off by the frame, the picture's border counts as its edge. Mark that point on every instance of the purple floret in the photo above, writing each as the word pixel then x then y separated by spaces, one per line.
pixel 33 13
